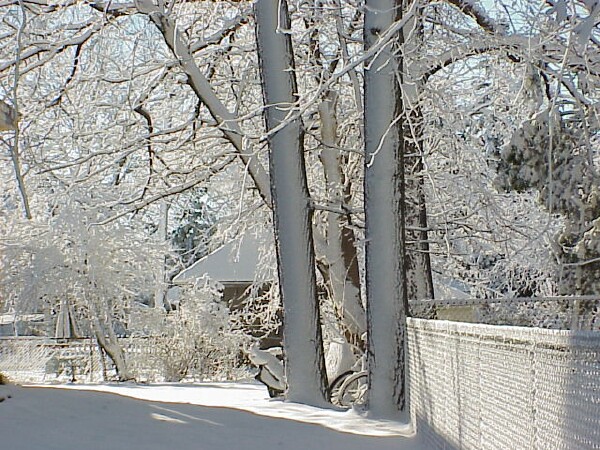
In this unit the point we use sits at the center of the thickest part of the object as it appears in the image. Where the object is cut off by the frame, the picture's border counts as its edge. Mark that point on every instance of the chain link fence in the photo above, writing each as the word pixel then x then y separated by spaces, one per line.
pixel 478 387
pixel 38 359
pixel 530 383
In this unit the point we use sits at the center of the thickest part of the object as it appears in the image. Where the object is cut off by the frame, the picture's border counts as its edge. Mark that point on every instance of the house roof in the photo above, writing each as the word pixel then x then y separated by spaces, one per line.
pixel 231 263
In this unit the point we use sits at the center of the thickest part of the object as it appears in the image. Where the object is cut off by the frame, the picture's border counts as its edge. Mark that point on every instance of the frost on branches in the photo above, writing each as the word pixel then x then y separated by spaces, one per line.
pixel 552 155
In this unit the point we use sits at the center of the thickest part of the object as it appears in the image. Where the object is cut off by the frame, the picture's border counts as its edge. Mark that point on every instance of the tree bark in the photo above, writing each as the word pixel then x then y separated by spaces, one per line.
pixel 304 358
pixel 342 263
pixel 419 280
pixel 384 216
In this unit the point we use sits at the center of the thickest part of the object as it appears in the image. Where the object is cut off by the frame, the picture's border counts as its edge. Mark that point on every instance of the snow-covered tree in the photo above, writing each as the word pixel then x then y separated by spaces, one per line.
pixel 48 263
pixel 192 234
pixel 304 358
pixel 385 269
pixel 553 156
pixel 149 100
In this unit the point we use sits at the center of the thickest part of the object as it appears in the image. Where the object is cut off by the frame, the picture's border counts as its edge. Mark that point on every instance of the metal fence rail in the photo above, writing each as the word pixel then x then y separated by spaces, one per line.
pixel 566 313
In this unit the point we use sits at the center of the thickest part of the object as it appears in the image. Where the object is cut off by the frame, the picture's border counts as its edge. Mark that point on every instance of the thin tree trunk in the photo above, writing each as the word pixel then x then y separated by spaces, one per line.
pixel 107 339
pixel 336 253
pixel 340 252
pixel 9 118
pixel 160 291
pixel 304 359
pixel 14 154
pixel 419 280
pixel 384 216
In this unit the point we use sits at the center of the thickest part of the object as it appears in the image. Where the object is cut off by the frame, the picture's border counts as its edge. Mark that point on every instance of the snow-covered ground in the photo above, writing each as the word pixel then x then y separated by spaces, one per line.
pixel 215 416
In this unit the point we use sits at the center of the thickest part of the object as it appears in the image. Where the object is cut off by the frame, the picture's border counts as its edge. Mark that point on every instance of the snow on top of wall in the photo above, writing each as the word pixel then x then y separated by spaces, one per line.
pixel 11 318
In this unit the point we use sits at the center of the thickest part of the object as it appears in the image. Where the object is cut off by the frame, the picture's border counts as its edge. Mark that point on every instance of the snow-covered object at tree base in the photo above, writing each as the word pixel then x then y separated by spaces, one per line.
pixel 270 368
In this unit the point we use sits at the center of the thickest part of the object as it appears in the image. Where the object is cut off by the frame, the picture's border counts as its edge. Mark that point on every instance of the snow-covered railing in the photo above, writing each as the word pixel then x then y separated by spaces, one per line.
pixel 475 386
pixel 40 359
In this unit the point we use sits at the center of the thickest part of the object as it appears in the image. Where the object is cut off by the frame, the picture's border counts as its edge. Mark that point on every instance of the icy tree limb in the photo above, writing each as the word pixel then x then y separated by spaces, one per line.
pixel 470 8
pixel 228 122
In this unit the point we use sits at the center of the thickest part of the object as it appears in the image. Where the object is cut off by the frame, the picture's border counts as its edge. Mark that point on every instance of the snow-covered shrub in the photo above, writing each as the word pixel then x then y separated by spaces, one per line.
pixel 199 341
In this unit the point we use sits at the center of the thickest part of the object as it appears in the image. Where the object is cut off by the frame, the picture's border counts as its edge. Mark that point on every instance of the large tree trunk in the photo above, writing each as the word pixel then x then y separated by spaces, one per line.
pixel 384 215
pixel 304 360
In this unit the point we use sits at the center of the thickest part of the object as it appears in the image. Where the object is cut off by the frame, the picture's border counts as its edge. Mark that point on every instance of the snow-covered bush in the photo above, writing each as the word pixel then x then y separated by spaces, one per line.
pixel 198 340
pixel 4 392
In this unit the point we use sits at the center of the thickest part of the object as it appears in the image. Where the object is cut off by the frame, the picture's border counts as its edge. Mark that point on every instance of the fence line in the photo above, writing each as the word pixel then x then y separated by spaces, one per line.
pixel 571 313
pixel 39 359
pixel 472 386
pixel 149 359
pixel 479 387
